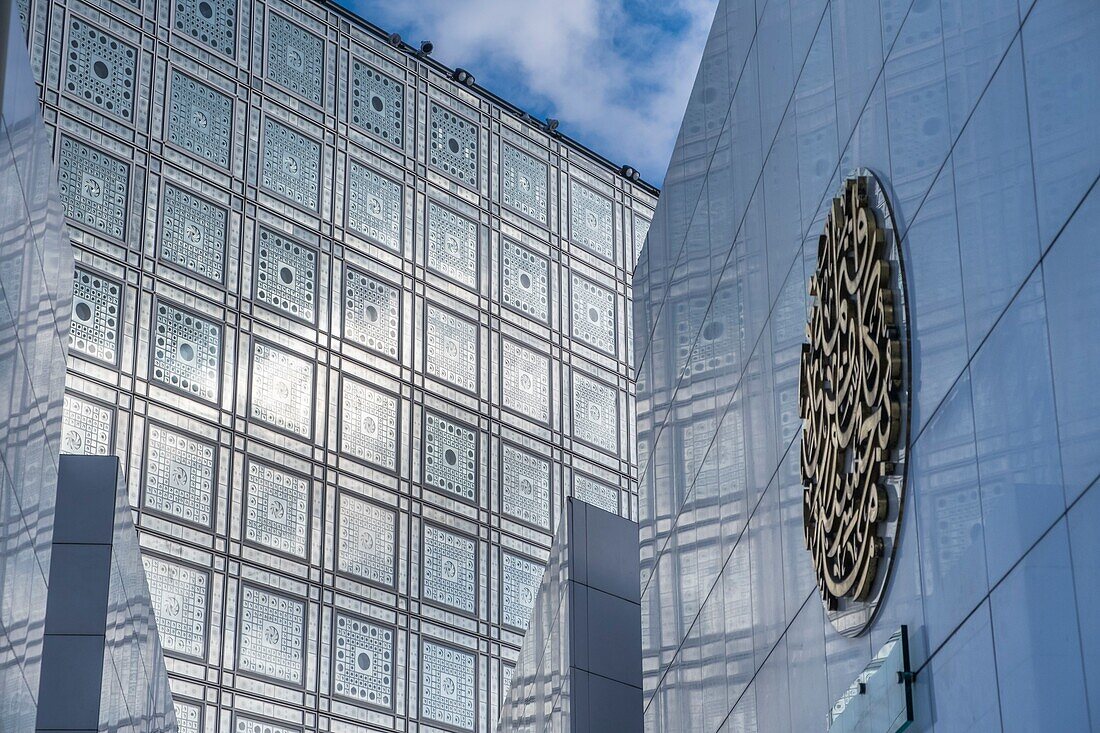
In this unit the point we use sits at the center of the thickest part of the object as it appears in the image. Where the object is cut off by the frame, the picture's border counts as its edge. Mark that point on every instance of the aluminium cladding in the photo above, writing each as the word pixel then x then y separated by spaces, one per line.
pixel 356 332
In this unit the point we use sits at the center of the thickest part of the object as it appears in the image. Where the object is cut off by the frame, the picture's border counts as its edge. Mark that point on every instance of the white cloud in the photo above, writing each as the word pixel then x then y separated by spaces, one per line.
pixel 616 75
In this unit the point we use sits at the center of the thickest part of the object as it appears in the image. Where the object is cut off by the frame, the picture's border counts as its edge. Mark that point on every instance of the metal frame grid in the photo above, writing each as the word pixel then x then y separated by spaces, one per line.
pixel 116 406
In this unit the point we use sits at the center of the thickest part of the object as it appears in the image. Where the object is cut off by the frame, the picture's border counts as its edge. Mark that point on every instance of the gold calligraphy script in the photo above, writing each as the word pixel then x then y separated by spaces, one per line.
pixel 848 398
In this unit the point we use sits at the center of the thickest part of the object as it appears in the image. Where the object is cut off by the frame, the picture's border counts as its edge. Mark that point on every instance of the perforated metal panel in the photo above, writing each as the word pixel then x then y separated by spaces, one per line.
pixel 276 509
pixel 525 379
pixel 590 222
pixel 377 103
pixel 186 352
pixel 375 206
pixel 641 231
pixel 286 275
pixel 595 413
pixel 448 681
pixel 100 69
pixel 525 486
pixel 193 233
pixel 525 278
pixel 523 182
pixel 520 578
pixel 363 661
pixel 367 540
pixel 452 245
pixel 451 353
pixel 94 187
pixel 272 635
pixel 188 716
pixel 200 119
pixel 179 476
pixel 450 457
pixel 281 389
pixel 87 427
pixel 180 596
pixel 210 23
pixel 244 724
pixel 291 165
pixel 593 314
pixel 449 569
pixel 97 305
pixel 453 146
pixel 295 58
pixel 368 424
pixel 591 491
pixel 372 314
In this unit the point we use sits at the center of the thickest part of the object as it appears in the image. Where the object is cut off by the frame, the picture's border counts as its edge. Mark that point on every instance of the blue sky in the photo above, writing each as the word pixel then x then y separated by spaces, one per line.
pixel 616 73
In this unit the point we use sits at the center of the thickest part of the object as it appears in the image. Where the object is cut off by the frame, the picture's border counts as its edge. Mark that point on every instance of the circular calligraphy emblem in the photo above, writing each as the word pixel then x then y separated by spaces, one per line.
pixel 853 401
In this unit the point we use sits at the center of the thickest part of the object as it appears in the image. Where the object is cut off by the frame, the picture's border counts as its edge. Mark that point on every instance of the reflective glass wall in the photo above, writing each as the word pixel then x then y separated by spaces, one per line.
pixel 982 120
pixel 355 331
pixel 35 297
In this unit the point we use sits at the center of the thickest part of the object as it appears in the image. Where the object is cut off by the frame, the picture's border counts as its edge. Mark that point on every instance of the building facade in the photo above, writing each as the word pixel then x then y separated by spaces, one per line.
pixel 36 265
pixel 355 330
pixel 981 120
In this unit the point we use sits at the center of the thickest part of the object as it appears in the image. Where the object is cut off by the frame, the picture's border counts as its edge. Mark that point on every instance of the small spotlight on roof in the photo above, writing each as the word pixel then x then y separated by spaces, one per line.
pixel 426 47
pixel 395 39
pixel 551 124
pixel 627 172
pixel 463 77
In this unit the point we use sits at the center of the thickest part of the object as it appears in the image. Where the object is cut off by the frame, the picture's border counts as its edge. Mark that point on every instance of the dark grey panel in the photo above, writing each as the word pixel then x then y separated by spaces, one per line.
pixel 79 579
pixel 68 696
pixel 612 552
pixel 86 499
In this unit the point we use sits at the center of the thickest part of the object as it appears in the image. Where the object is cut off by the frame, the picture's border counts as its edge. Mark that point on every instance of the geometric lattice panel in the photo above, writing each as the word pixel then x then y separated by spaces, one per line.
pixel 193 233
pixel 591 491
pixel 451 353
pixel 641 231
pixel 367 540
pixel 186 352
pixel 377 103
pixel 525 486
pixel 368 424
pixel 525 375
pixel 593 314
pixel 286 275
pixel 282 389
pixel 295 58
pixel 450 457
pixel 448 681
pixel 595 413
pixel 520 580
pixel 363 655
pixel 590 220
pixel 100 69
pixel 200 119
pixel 250 725
pixel 180 599
pixel 97 303
pixel 212 23
pixel 94 187
pixel 450 569
pixel 188 717
pixel 86 427
pixel 179 476
pixel 525 278
pixel 291 165
pixel 454 147
pixel 277 509
pixel 272 635
pixel 372 313
pixel 375 205
pixel 452 245
pixel 523 183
